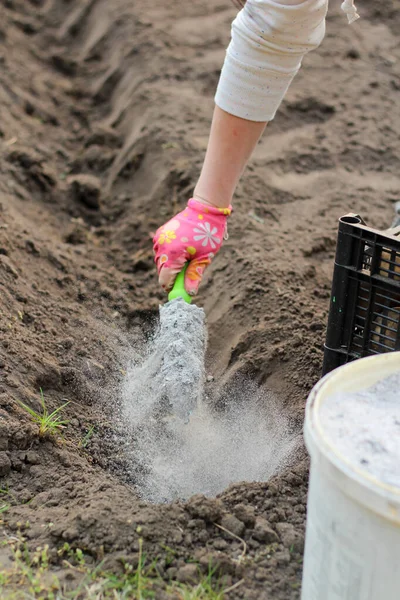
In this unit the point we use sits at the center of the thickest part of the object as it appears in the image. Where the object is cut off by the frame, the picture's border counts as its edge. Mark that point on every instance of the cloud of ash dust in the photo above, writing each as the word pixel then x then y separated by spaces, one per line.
pixel 249 440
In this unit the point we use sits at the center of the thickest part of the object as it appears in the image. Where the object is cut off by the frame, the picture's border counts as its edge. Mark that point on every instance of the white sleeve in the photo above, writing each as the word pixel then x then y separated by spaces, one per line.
pixel 269 40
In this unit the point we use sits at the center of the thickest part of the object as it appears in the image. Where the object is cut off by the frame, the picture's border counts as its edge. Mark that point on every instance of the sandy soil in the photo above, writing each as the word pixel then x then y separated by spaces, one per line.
pixel 104 115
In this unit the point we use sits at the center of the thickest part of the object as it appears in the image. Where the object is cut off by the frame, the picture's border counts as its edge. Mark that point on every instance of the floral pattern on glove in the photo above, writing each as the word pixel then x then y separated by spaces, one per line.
pixel 166 237
pixel 207 235
pixel 193 235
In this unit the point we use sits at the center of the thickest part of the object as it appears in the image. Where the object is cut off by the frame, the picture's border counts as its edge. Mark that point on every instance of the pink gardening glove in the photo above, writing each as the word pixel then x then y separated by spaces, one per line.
pixel 194 235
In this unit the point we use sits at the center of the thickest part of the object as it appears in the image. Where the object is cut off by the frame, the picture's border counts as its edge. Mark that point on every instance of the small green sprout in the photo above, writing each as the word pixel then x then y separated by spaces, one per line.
pixel 87 437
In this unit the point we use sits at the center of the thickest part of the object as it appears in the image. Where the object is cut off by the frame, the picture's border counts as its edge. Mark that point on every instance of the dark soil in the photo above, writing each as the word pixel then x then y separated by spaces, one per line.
pixel 104 116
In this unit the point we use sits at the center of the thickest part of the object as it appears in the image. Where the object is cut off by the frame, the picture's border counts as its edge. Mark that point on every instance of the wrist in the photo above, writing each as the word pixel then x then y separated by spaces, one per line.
pixel 209 208
pixel 204 200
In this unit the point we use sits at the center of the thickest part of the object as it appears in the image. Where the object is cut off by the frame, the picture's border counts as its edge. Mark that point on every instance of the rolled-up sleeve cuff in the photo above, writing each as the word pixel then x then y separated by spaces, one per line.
pixel 251 92
pixel 269 40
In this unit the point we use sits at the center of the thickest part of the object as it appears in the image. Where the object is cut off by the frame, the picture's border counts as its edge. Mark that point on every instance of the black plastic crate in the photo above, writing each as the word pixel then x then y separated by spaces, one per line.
pixel 364 315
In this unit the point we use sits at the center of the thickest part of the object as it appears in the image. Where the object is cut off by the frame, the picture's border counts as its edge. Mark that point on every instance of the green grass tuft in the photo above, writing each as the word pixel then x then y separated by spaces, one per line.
pixel 49 423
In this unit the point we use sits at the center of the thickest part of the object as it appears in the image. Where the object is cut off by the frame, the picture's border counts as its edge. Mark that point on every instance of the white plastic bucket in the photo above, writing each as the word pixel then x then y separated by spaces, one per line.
pixel 352 547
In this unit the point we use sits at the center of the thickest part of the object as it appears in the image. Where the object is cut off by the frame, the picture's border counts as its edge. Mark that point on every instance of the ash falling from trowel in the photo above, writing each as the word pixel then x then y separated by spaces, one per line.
pixel 181 445
pixel 171 378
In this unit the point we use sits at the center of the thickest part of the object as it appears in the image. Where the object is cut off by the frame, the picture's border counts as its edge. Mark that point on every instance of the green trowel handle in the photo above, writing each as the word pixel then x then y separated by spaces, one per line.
pixel 178 291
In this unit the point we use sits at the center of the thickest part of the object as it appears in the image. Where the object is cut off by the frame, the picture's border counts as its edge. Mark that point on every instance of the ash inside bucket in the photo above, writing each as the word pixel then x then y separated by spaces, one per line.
pixel 365 428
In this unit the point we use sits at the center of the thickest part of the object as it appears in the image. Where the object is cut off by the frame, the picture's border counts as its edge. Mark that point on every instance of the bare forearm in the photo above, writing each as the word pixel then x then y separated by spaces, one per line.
pixel 232 141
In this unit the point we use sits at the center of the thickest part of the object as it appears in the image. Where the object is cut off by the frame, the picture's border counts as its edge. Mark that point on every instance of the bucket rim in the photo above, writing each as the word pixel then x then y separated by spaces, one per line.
pixel 313 427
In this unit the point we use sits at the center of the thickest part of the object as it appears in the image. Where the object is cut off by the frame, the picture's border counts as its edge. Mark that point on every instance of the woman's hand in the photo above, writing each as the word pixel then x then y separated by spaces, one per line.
pixel 194 235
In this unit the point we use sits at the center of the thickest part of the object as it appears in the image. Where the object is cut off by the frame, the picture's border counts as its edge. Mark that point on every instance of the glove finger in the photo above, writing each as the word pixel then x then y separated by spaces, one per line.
pixel 167 273
pixel 194 274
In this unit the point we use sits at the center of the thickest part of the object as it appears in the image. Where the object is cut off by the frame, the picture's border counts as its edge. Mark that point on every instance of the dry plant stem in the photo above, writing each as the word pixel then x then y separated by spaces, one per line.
pixel 231 143
pixel 233 587
pixel 241 557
